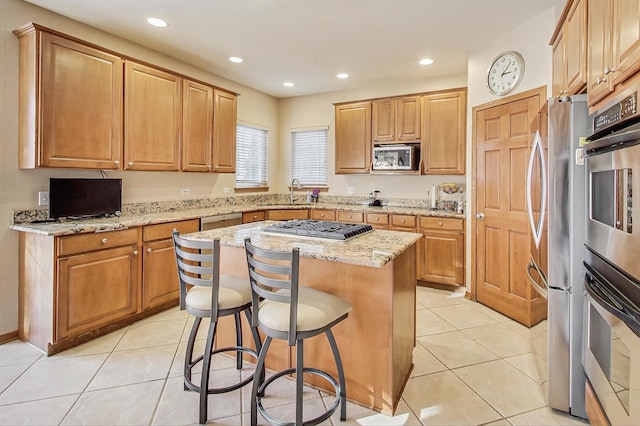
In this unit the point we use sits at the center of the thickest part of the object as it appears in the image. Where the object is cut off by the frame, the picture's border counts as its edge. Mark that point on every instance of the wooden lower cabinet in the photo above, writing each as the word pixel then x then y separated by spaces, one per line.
pixel 95 289
pixel 77 287
pixel 322 214
pixel 441 251
pixel 595 412
pixel 377 220
pixel 159 274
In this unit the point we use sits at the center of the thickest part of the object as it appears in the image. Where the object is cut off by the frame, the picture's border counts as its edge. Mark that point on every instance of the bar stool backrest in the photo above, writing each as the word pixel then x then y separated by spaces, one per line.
pixel 274 276
pixel 198 263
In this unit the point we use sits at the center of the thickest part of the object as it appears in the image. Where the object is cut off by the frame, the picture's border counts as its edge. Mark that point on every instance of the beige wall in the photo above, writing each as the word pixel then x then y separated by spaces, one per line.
pixel 19 188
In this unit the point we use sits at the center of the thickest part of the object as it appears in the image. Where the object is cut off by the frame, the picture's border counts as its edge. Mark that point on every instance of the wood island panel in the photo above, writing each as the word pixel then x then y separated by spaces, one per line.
pixel 378 336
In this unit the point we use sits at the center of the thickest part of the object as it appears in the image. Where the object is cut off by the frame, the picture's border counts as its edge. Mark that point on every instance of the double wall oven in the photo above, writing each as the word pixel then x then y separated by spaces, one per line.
pixel 611 352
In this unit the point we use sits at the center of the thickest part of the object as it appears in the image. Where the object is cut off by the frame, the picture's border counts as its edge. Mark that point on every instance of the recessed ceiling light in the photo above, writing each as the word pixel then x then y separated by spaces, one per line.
pixel 157 22
pixel 343 75
pixel 236 59
pixel 287 84
pixel 426 61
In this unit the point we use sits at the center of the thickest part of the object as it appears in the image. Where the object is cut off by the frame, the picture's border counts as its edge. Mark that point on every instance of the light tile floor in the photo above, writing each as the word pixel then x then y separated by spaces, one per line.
pixel 472 366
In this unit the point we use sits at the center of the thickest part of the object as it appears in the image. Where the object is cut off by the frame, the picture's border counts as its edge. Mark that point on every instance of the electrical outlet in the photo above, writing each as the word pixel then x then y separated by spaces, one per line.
pixel 351 190
pixel 185 191
pixel 43 198
pixel 226 190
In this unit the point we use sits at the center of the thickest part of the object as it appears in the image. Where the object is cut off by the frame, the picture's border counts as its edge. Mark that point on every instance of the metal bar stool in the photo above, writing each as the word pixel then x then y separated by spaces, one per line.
pixel 211 296
pixel 292 313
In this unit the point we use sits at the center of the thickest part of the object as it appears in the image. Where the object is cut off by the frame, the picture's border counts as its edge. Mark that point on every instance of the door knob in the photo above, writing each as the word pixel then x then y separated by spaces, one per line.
pixel 480 216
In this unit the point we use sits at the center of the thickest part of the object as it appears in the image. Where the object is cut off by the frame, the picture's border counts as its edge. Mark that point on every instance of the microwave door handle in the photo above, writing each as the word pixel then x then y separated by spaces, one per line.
pixel 542 291
pixel 536 229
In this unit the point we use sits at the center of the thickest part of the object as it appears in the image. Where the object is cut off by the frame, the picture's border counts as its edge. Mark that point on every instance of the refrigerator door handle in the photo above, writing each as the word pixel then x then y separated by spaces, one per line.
pixel 536 229
pixel 533 266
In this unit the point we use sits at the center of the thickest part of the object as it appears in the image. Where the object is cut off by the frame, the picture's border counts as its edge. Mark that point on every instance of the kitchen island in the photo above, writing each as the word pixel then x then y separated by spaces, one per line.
pixel 375 272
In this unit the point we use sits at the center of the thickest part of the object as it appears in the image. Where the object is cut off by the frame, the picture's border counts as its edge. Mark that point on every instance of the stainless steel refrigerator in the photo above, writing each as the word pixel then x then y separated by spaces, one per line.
pixel 556 185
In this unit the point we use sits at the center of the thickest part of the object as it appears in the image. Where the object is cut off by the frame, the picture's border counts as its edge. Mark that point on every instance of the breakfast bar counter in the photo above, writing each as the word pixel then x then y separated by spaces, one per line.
pixel 375 272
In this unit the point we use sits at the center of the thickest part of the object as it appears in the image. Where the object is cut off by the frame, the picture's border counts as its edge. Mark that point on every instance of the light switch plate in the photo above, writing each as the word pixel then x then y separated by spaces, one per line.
pixel 351 190
pixel 43 198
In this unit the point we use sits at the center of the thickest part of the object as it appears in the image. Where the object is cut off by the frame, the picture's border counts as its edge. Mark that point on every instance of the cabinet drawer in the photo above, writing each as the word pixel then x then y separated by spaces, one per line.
pixel 287 214
pixel 403 220
pixel 165 230
pixel 353 217
pixel 96 241
pixel 448 223
pixel 256 216
pixel 317 214
pixel 377 218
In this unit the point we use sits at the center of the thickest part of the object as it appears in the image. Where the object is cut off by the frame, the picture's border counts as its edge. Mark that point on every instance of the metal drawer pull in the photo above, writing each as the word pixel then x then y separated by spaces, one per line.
pixel 104 241
pixel 135 252
pixel 149 250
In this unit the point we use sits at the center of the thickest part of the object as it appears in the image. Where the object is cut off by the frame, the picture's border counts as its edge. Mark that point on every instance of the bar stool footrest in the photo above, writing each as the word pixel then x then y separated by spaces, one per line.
pixel 192 387
pixel 309 370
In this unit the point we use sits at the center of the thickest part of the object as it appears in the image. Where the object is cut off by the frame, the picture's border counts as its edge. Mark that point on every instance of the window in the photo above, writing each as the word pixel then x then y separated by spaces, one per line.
pixel 251 156
pixel 309 156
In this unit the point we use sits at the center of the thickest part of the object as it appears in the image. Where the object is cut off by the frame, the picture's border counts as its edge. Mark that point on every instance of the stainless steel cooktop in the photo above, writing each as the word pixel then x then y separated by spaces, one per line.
pixel 320 229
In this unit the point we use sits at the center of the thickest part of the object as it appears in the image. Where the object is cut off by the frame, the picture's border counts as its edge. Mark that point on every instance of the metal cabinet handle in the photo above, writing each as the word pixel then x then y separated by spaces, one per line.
pixel 130 163
pixel 135 252
pixel 149 250
pixel 608 70
pixel 104 241
pixel 402 220
pixel 116 162
pixel 480 216
pixel 439 223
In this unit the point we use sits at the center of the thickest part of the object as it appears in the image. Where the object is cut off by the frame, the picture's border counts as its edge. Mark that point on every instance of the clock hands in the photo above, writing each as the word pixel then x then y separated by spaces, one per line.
pixel 505 69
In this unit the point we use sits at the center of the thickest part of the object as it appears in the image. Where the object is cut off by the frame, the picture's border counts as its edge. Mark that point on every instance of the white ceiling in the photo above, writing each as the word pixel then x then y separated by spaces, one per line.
pixel 308 42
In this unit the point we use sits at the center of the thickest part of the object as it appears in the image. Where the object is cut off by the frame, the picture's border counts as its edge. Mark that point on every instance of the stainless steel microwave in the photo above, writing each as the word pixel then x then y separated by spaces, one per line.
pixel 395 157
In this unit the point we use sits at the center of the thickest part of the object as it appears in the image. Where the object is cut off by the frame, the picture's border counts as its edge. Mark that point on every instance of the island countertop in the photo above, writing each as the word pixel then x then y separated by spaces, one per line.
pixel 374 249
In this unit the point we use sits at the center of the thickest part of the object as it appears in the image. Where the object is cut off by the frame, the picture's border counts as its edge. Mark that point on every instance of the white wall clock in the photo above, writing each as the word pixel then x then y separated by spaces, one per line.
pixel 505 73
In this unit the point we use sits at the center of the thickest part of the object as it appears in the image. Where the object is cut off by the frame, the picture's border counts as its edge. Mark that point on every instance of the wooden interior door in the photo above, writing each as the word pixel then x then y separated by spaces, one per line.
pixel 502 141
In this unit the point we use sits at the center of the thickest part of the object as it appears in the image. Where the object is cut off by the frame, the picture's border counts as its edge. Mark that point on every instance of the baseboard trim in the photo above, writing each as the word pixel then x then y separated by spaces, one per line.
pixel 467 295
pixel 7 337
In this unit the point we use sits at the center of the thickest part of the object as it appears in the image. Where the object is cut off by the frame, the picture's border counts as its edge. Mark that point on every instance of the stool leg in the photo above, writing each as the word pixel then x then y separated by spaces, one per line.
pixel 236 317
pixel 343 386
pixel 299 377
pixel 206 364
pixel 188 356
pixel 257 342
pixel 256 383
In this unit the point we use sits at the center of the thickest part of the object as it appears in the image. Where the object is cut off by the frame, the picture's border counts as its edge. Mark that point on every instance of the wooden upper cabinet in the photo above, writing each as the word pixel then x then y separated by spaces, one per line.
pixel 444 134
pixel 614 45
pixel 626 39
pixel 70 103
pixel 353 138
pixel 570 50
pixel 153 118
pixel 225 107
pixel 396 120
pixel 197 126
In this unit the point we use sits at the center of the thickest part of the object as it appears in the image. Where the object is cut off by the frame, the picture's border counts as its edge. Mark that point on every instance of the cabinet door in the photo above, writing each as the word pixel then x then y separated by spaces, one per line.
pixel 384 120
pixel 255 216
pixel 159 274
pixel 224 132
pixel 153 118
pixel 321 214
pixel 559 63
pixel 444 140
pixel 81 106
pixel 409 119
pixel 599 52
pixel 575 51
pixel 96 289
pixel 353 138
pixel 441 257
pixel 377 220
pixel 197 126
pixel 626 39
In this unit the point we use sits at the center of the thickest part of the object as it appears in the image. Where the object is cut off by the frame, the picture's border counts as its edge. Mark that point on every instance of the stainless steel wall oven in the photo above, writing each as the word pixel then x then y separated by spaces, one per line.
pixel 611 353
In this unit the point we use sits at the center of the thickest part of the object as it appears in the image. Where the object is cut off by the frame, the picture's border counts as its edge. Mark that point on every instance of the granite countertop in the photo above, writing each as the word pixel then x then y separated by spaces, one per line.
pixel 125 221
pixel 374 249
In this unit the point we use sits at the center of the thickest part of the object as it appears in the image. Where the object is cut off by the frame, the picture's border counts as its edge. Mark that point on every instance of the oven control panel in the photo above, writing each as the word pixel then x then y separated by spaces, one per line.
pixel 617 113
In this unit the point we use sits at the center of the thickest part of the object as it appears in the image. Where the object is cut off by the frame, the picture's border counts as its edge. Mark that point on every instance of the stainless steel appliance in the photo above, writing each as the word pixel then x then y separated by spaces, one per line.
pixel 611 356
pixel 395 157
pixel 562 177
pixel 220 221
pixel 320 229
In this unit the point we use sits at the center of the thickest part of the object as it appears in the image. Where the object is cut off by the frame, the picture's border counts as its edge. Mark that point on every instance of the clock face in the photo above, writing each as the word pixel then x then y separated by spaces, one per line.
pixel 505 73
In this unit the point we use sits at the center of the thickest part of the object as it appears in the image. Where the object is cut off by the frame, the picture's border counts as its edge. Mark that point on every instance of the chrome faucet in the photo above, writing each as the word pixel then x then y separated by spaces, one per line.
pixel 299 187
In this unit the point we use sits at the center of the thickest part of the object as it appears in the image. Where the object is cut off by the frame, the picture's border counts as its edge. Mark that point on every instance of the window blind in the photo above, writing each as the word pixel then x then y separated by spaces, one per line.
pixel 309 156
pixel 251 156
